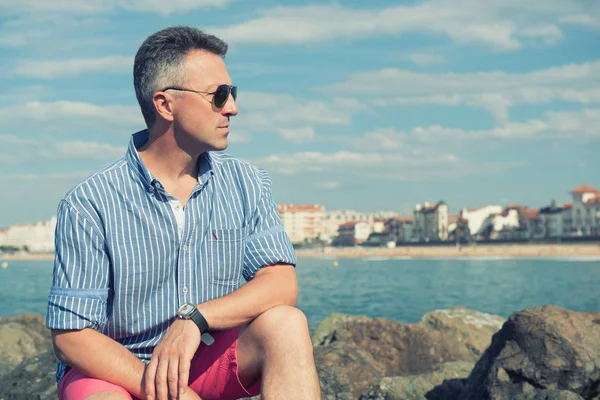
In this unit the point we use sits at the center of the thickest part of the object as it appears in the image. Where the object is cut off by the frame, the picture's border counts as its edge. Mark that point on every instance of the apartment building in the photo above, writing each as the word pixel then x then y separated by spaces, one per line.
pixel 399 229
pixel 36 238
pixel 430 222
pixel 302 222
pixel 353 233
pixel 585 216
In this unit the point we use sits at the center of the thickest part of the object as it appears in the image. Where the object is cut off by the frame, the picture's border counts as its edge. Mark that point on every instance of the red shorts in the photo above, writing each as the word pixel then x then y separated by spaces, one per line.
pixel 213 374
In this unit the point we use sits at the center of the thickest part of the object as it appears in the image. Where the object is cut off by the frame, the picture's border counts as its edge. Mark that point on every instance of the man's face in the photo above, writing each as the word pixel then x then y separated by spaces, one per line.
pixel 198 124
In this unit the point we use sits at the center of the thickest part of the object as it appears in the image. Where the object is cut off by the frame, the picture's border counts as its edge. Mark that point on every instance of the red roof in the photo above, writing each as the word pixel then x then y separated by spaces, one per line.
pixel 452 217
pixel 530 213
pixel 567 205
pixel 584 189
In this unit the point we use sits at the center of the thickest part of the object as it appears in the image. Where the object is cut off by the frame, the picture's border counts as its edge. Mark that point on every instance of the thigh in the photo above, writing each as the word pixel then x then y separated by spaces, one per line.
pixel 77 386
pixel 215 369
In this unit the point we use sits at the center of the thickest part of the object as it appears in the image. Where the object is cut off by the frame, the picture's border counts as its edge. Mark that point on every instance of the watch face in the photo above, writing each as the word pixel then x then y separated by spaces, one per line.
pixel 186 309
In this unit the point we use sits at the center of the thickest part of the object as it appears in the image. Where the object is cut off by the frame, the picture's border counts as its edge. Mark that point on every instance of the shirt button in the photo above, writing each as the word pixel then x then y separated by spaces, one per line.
pixel 185 290
pixel 185 247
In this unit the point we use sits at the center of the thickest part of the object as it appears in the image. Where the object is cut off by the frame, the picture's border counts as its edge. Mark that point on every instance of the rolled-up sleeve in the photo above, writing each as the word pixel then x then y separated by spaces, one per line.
pixel 80 283
pixel 267 244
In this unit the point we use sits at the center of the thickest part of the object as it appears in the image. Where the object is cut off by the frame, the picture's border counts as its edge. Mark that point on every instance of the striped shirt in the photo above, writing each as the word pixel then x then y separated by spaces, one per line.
pixel 128 255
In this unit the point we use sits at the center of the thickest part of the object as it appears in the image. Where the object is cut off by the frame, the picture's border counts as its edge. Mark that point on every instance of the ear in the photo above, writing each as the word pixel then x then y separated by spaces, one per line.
pixel 163 104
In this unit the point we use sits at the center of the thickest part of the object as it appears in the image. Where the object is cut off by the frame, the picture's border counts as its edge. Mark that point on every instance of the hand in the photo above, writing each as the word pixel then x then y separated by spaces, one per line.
pixel 167 373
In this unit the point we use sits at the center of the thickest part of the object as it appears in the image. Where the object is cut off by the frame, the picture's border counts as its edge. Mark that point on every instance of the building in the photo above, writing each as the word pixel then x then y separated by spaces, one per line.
pixel 353 233
pixel 585 211
pixel 303 223
pixel 552 221
pixel 35 238
pixel 332 221
pixel 399 229
pixel 430 222
pixel 478 219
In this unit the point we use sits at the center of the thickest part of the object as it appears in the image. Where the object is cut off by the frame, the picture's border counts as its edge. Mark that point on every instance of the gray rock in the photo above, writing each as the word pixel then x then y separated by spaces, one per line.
pixel 445 382
pixel 21 336
pixel 537 349
pixel 364 350
pixel 34 379
pixel 549 394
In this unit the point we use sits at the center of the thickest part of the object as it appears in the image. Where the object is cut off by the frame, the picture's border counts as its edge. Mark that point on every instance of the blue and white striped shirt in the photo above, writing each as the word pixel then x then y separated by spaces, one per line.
pixel 126 258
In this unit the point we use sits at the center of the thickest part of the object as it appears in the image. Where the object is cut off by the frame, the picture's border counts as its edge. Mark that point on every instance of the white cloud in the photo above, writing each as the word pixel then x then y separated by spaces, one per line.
pixel 46 69
pixel 395 166
pixel 501 25
pixel 15 150
pixel 328 185
pixel 106 6
pixel 297 135
pixel 571 126
pixel 496 91
pixel 426 59
pixel 71 116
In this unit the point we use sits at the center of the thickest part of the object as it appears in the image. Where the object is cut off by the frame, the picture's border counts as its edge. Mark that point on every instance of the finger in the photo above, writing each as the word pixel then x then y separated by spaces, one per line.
pixel 162 390
pixel 173 377
pixel 149 376
pixel 184 374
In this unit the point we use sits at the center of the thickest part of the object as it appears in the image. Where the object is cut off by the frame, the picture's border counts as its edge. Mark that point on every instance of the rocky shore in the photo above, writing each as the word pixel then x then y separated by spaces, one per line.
pixel 541 353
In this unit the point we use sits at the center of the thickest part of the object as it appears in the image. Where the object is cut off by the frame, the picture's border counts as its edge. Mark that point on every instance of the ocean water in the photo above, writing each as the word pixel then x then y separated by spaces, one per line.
pixel 397 289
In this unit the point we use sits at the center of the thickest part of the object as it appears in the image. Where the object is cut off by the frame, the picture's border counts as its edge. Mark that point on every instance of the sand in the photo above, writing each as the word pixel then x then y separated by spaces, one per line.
pixel 508 250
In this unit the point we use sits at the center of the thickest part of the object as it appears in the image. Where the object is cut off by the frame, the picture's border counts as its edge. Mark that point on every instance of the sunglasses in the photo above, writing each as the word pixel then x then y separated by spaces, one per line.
pixel 220 96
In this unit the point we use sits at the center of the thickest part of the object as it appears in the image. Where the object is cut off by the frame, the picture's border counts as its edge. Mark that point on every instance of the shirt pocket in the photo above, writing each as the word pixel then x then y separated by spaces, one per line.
pixel 226 255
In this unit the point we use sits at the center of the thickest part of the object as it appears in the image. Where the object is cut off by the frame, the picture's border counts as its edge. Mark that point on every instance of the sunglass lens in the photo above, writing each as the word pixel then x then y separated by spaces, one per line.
pixel 221 96
pixel 234 92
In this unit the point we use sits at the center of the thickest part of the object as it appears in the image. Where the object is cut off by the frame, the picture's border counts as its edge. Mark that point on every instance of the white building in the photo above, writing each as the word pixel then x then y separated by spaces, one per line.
pixel 303 223
pixel 353 233
pixel 586 211
pixel 36 238
pixel 478 219
pixel 430 222
pixel 333 219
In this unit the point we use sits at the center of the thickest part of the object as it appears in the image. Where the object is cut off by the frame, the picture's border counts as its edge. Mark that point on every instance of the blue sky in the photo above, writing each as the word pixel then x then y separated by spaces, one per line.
pixel 359 105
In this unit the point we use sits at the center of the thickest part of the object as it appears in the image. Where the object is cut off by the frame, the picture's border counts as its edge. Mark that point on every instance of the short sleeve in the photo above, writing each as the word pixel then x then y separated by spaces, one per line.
pixel 81 273
pixel 267 244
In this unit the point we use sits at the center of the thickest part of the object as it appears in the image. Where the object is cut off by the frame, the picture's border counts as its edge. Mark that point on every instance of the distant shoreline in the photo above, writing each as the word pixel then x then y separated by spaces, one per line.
pixel 478 250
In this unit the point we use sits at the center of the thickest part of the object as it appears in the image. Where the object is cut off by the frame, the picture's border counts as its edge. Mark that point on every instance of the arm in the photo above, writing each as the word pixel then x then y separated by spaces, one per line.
pixel 271 286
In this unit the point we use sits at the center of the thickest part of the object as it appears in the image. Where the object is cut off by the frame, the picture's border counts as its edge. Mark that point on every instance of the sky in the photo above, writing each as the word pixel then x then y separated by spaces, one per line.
pixel 368 106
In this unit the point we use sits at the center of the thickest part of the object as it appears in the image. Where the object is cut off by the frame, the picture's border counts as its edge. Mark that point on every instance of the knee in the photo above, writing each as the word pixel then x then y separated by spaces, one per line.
pixel 283 322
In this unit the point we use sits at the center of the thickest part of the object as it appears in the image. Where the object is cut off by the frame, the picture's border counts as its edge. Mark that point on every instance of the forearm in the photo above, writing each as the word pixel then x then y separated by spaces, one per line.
pixel 271 287
pixel 99 356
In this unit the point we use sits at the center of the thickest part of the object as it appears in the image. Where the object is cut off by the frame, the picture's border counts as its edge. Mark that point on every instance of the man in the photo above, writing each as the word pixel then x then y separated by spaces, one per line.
pixel 150 251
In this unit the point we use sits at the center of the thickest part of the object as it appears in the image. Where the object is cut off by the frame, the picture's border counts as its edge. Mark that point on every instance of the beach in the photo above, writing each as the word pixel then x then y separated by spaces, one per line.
pixel 477 250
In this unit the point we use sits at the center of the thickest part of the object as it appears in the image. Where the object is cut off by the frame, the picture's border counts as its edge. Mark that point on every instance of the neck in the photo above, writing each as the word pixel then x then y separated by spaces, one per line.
pixel 166 159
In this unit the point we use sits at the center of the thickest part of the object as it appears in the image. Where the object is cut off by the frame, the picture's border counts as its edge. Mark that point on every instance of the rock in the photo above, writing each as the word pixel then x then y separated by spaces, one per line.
pixel 34 379
pixel 549 394
pixel 22 336
pixel 364 350
pixel 445 382
pixel 539 349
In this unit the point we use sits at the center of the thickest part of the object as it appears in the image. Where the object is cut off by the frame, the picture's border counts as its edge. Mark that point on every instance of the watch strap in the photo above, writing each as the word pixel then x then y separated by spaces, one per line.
pixel 199 320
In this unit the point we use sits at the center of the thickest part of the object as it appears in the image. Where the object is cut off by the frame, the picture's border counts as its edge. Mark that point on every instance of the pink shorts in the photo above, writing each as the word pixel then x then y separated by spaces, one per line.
pixel 213 374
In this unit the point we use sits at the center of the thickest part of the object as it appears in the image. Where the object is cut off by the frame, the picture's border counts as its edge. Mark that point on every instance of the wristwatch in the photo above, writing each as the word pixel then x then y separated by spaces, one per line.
pixel 189 311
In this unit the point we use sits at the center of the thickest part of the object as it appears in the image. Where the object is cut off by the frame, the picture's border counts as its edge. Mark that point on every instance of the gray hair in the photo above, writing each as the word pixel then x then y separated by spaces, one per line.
pixel 158 62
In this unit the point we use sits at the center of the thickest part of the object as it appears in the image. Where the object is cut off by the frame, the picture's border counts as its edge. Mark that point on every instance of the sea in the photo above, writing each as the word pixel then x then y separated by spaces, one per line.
pixel 398 289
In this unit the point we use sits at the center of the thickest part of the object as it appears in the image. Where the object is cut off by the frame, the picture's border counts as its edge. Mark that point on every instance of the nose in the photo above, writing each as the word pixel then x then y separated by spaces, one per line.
pixel 230 108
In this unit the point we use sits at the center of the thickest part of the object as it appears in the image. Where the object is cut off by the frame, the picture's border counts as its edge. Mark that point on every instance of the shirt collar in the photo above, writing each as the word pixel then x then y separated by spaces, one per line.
pixel 138 139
